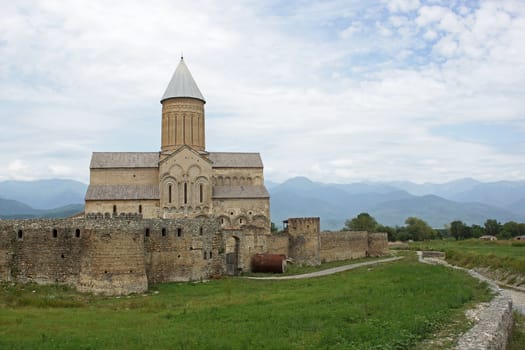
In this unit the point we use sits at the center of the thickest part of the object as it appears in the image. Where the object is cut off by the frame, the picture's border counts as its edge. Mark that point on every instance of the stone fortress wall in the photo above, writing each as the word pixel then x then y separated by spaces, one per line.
pixel 123 254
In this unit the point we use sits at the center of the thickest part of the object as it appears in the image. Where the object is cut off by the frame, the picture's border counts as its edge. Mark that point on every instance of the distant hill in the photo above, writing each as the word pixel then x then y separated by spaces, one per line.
pixel 389 202
pixel 11 209
pixel 437 211
pixel 44 194
pixel 392 202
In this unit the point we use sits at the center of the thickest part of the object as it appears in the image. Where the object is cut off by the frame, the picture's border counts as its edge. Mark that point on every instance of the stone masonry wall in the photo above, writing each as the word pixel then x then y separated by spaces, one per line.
pixel 109 255
pixel 181 249
pixel 343 245
pixel 252 240
pixel 112 259
pixel 277 244
pixel 304 241
pixel 42 251
pixel 377 244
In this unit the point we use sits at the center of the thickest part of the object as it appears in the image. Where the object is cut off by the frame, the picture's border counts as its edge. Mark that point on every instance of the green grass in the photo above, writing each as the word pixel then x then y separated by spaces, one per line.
pixel 390 306
pixel 505 255
pixel 296 269
pixel 517 339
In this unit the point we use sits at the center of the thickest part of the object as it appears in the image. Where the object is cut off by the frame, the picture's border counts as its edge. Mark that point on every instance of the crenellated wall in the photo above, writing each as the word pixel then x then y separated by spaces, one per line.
pixel 118 255
pixel 307 246
pixel 123 254
pixel 304 240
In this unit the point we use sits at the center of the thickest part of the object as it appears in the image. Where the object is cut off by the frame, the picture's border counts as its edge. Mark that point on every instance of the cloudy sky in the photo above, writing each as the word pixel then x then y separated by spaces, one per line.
pixel 338 91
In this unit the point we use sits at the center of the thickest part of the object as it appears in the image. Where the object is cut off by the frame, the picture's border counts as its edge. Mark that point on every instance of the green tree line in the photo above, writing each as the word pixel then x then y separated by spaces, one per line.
pixel 417 229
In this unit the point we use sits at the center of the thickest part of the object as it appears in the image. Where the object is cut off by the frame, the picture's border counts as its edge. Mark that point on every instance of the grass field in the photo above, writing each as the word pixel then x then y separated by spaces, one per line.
pixel 390 306
pixel 505 255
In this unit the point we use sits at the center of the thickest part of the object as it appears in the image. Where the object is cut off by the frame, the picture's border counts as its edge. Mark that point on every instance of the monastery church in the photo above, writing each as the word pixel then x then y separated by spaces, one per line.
pixel 183 180
pixel 180 214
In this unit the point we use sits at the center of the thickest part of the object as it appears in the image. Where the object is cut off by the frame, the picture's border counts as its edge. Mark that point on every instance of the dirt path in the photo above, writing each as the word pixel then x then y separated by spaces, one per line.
pixel 327 271
pixel 518 299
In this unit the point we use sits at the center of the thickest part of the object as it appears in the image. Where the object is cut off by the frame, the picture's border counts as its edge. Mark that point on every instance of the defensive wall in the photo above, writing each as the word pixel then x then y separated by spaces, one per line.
pixel 308 246
pixel 109 255
pixel 123 254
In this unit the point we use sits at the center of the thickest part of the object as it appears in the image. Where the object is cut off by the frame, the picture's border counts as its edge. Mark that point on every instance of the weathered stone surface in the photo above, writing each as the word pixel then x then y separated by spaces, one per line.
pixel 343 245
pixel 122 254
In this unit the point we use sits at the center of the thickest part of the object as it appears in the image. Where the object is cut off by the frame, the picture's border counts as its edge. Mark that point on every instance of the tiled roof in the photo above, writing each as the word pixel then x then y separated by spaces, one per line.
pixel 235 160
pixel 118 192
pixel 240 192
pixel 124 160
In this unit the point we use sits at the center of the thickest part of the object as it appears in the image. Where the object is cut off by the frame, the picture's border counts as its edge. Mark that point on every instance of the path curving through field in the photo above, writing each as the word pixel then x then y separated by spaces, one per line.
pixel 518 299
pixel 327 271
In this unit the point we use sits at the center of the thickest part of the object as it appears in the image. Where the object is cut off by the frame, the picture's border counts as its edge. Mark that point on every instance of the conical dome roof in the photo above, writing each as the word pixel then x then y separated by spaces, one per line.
pixel 182 84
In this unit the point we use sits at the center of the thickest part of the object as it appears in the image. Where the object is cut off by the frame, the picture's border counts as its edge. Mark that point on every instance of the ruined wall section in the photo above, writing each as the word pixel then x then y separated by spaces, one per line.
pixel 304 240
pixel 181 249
pixel 343 245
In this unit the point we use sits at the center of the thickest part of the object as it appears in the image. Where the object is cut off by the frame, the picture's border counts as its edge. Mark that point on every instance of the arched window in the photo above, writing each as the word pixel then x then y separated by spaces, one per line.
pixel 185 193
pixel 114 209
pixel 77 233
pixel 169 193
pixel 201 193
pixel 55 233
pixel 20 234
pixel 140 208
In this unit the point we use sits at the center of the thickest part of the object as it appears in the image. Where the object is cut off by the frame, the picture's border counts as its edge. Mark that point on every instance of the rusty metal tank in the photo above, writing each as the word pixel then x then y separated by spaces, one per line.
pixel 275 263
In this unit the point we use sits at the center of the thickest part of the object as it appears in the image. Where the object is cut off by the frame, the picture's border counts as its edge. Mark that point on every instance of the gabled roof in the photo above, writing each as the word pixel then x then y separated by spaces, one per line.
pixel 122 192
pixel 224 192
pixel 182 84
pixel 180 149
pixel 235 160
pixel 124 160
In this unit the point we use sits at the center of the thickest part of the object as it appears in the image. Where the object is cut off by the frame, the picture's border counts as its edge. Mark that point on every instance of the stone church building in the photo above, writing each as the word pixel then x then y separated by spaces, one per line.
pixel 183 180
pixel 180 214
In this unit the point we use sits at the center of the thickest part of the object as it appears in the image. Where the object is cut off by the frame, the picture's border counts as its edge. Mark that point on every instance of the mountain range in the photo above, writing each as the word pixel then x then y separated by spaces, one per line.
pixel 390 203
pixel 53 198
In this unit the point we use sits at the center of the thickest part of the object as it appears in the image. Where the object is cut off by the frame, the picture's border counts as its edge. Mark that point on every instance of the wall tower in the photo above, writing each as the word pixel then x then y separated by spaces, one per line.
pixel 182 112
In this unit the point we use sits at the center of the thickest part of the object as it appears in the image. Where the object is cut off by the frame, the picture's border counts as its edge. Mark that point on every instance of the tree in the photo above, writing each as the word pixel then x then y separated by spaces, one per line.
pixel 457 228
pixel 390 231
pixel 362 222
pixel 476 231
pixel 492 227
pixel 418 229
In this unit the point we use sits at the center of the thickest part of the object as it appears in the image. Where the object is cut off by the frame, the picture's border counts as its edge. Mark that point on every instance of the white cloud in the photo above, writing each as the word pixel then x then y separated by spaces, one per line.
pixel 350 30
pixel 329 90
pixel 402 5
pixel 430 35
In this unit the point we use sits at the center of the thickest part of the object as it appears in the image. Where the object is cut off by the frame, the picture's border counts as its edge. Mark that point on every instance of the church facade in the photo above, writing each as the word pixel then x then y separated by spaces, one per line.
pixel 183 179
